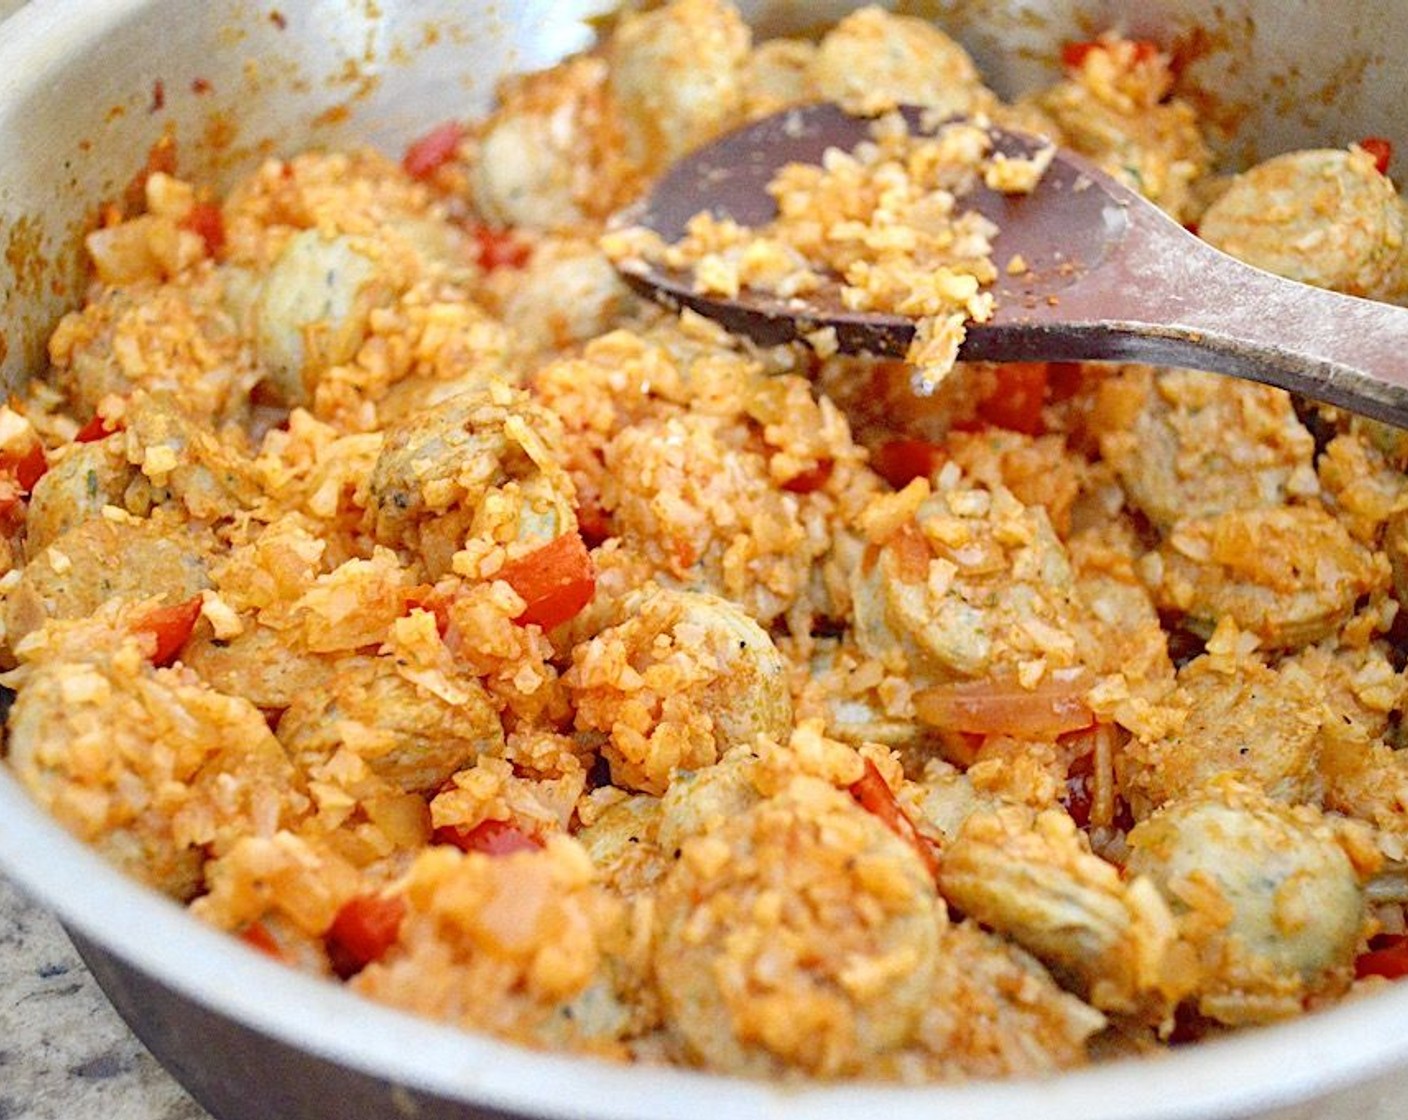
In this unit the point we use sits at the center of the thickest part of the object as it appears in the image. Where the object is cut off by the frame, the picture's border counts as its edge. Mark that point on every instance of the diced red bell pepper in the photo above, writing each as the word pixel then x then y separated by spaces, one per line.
pixel 492 838
pixel 901 461
pixel 1380 148
pixel 364 930
pixel 171 627
pixel 433 150
pixel 555 581
pixel 875 797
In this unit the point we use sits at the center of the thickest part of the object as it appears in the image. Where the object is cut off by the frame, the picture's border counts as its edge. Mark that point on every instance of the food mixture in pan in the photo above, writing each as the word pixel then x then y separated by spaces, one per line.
pixel 388 585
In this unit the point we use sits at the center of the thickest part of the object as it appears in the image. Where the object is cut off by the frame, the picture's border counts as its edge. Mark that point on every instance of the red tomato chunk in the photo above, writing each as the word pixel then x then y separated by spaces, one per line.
pixel 433 150
pixel 171 627
pixel 97 428
pixel 1073 55
pixel 900 461
pixel 555 581
pixel 499 248
pixel 1018 401
pixel 875 797
pixel 812 480
pixel 1387 957
pixel 206 220
pixel 364 929
pixel 1381 150
pixel 492 838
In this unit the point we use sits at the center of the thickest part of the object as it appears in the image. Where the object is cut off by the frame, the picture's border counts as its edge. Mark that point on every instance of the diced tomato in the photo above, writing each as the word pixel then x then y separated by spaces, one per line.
pixel 901 461
pixel 257 936
pixel 1189 1026
pixel 1381 149
pixel 1018 400
pixel 499 248
pixel 206 220
pixel 1387 957
pixel 364 929
pixel 97 428
pixel 19 471
pixel 161 156
pixel 877 798
pixel 432 599
pixel 1079 795
pixel 171 627
pixel 11 496
pixel 433 150
pixel 492 838
pixel 28 467
pixel 1144 50
pixel 1064 379
pixel 1073 55
pixel 809 481
pixel 593 522
pixel 555 581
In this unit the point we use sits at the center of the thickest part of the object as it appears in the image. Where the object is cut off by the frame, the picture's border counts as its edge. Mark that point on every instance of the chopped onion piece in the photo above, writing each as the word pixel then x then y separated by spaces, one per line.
pixel 1004 707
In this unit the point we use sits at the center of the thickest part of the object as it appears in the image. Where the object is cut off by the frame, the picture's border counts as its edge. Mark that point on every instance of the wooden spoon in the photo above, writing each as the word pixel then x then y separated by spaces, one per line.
pixel 1110 277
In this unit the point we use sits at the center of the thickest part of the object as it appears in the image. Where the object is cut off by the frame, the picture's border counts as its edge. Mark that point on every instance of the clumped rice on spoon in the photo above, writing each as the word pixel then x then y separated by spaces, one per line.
pixel 886 223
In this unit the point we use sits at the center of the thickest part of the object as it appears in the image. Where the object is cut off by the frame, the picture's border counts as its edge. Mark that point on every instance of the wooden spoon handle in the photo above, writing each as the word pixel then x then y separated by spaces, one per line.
pixel 1165 297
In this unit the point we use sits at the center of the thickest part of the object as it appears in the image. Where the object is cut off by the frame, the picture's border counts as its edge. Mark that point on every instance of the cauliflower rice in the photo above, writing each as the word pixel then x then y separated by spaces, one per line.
pixel 387 585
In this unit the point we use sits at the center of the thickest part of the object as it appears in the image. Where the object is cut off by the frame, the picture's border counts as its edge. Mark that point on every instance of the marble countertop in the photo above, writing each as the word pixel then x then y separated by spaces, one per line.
pixel 64 1053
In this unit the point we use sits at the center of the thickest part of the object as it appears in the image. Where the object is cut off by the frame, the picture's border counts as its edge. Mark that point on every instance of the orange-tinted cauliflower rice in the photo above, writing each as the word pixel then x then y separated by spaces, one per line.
pixel 386 583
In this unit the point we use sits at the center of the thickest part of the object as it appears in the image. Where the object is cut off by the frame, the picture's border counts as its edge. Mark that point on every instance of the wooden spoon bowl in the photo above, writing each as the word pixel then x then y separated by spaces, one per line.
pixel 1108 276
